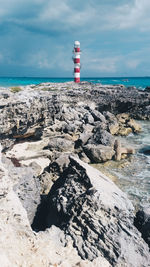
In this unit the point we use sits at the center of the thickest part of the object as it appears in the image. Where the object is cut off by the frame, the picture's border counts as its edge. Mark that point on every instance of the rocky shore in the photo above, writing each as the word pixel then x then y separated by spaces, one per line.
pixel 55 207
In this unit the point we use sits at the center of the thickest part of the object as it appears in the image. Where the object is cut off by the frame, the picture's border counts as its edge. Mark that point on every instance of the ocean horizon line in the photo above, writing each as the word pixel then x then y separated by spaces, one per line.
pixel 63 77
pixel 139 82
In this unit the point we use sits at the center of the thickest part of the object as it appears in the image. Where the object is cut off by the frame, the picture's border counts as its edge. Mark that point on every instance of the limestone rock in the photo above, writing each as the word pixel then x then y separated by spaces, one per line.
pixel 60 144
pixel 101 136
pixel 29 153
pixel 114 128
pixel 46 180
pixel 97 216
pixel 98 153
pixel 28 191
pixel 88 118
pixel 83 139
pixel 98 116
pixel 19 245
pixel 123 118
pixel 134 125
pixel 124 131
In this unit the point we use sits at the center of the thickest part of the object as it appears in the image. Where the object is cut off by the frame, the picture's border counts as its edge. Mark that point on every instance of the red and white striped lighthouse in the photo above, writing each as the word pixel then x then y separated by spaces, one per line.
pixel 76 60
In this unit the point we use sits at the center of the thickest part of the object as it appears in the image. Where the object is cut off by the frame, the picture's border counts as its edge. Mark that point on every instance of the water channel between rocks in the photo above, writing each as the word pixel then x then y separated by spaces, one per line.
pixel 132 175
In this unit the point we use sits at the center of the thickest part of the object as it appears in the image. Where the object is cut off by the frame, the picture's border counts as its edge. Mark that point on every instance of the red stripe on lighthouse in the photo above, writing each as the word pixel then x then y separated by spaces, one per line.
pixel 76 60
pixel 77 80
pixel 77 49
pixel 76 69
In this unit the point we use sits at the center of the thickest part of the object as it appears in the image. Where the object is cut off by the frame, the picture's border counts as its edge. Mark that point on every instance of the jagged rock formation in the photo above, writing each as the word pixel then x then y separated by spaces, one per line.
pixel 44 130
pixel 87 206
pixel 19 245
pixel 26 113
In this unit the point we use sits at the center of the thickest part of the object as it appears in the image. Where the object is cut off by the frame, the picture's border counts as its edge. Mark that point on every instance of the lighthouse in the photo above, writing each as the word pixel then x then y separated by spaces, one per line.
pixel 76 60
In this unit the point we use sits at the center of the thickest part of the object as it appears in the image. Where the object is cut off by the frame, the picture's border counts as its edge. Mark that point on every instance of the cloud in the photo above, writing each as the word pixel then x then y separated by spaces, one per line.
pixel 134 14
pixel 100 62
pixel 133 63
pixel 107 64
pixel 39 35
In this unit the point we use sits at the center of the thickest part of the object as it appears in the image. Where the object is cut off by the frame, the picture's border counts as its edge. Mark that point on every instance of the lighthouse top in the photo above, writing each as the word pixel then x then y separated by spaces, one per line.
pixel 76 44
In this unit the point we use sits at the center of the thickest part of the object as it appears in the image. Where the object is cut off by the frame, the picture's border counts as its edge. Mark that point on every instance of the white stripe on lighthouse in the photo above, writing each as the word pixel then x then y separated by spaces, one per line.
pixel 77 74
pixel 77 56
pixel 77 65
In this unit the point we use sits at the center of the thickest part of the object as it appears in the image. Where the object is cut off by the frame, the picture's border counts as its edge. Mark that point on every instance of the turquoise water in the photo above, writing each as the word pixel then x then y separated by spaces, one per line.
pixel 134 173
pixel 139 82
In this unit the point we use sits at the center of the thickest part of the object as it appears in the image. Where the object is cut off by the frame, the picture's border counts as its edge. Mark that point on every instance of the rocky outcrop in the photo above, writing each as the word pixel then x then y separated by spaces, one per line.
pixel 98 153
pixel 97 216
pixel 142 222
pixel 19 245
pixel 32 114
pixel 43 129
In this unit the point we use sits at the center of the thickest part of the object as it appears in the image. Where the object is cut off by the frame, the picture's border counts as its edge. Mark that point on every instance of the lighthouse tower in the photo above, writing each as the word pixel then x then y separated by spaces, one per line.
pixel 76 60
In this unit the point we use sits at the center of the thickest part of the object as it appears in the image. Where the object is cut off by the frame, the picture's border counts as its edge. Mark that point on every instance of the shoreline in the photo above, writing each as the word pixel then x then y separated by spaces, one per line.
pixel 50 134
pixel 62 90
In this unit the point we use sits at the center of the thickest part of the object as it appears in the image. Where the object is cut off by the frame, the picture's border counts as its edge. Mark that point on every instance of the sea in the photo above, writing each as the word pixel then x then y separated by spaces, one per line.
pixel 139 82
pixel 132 175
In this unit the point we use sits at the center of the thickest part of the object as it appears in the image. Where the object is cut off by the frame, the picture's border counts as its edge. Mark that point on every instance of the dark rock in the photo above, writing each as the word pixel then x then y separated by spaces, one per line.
pixel 60 164
pixel 82 140
pixel 98 217
pixel 52 172
pixel 88 118
pixel 142 222
pixel 102 137
pixel 83 157
pixel 60 144
pixel 98 153
pixel 101 125
pixel 145 150
pixel 68 127
pixel 147 89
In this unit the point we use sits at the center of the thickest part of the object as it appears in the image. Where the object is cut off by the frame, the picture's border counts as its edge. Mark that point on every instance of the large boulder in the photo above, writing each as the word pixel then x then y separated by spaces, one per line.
pixel 101 136
pixel 98 153
pixel 19 245
pixel 97 215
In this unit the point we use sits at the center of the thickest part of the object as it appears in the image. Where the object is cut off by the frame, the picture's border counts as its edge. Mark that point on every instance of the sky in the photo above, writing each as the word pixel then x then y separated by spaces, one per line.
pixel 37 37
